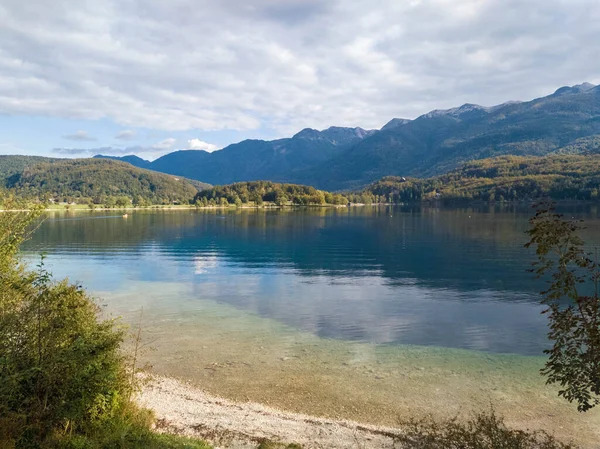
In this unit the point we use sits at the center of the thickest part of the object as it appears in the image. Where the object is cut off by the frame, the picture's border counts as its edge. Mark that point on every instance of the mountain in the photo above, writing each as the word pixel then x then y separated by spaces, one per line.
pixel 393 123
pixel 567 121
pixel 250 160
pixel 442 140
pixel 93 180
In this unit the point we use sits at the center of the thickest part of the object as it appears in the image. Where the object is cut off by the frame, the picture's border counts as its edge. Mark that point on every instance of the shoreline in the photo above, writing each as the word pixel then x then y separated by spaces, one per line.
pixel 425 203
pixel 246 358
pixel 182 409
pixel 192 207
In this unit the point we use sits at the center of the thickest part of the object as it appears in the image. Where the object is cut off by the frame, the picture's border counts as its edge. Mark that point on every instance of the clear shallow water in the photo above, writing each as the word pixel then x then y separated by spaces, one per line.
pixel 452 278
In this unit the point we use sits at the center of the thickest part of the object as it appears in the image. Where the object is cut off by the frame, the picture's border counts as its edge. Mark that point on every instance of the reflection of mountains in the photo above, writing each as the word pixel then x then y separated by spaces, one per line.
pixel 437 248
pixel 443 248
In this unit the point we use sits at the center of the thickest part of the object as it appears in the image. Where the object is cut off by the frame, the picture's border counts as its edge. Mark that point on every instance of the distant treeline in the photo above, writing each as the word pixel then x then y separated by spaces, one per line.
pixel 260 192
pixel 506 178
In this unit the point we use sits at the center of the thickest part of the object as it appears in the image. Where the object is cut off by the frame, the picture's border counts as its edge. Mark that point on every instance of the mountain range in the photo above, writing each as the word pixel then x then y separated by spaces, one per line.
pixel 337 158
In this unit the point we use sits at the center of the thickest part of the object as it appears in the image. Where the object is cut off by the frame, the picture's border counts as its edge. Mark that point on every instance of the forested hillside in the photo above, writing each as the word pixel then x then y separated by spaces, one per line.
pixel 15 164
pixel 506 178
pixel 93 181
pixel 259 192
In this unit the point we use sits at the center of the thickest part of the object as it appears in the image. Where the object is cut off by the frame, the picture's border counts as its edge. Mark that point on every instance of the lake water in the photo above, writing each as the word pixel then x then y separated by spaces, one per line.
pixel 275 306
pixel 453 278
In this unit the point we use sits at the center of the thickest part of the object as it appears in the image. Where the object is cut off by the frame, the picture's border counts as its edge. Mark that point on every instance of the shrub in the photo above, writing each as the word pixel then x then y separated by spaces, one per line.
pixel 483 431
pixel 60 365
pixel 64 382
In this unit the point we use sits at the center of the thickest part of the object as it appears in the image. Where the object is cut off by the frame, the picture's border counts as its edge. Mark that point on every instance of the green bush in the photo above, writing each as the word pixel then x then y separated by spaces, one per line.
pixel 60 365
pixel 64 383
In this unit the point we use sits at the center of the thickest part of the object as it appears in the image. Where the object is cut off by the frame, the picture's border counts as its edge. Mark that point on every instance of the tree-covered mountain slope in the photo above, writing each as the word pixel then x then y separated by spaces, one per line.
pixel 94 180
pixel 510 178
pixel 14 164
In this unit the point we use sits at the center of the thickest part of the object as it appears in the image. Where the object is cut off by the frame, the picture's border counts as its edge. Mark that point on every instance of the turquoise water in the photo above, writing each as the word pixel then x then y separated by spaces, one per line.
pixel 451 278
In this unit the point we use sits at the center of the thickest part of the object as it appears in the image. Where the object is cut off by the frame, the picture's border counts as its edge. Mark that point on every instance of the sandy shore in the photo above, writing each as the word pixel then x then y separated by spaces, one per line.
pixel 183 409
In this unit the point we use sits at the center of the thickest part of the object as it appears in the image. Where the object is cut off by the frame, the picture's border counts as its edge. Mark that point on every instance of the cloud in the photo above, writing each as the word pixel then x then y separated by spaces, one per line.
pixel 197 144
pixel 145 152
pixel 82 151
pixel 165 144
pixel 79 136
pixel 285 65
pixel 126 134
pixel 10 148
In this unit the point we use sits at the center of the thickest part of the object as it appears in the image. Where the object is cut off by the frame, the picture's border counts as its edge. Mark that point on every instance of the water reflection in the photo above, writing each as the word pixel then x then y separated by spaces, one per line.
pixel 423 276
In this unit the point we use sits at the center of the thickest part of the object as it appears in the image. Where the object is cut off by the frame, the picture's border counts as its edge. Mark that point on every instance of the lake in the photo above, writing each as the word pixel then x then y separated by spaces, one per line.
pixel 348 312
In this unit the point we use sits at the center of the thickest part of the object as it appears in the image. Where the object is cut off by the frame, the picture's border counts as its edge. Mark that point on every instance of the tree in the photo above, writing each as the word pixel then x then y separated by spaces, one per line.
pixel 123 201
pixel 281 198
pixel 140 201
pixel 572 305
pixel 257 198
pixel 110 201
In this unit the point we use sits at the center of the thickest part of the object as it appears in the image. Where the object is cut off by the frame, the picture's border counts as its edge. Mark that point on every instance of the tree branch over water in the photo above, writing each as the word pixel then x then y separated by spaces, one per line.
pixel 573 318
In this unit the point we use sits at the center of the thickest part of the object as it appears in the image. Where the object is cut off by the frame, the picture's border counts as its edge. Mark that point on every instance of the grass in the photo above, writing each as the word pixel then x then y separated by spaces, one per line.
pixel 148 441
pixel 132 430
pixel 165 441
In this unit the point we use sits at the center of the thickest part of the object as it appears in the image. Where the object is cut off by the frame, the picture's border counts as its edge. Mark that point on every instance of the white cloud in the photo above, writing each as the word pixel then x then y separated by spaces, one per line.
pixel 284 65
pixel 126 134
pixel 197 144
pixel 149 153
pixel 79 136
pixel 166 144
pixel 10 148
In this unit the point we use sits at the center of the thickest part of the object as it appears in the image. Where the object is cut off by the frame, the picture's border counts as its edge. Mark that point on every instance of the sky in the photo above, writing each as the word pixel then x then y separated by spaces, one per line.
pixel 148 77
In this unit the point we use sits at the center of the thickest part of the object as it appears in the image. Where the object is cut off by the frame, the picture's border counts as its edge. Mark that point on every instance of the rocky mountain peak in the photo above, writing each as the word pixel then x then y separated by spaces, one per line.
pixel 395 122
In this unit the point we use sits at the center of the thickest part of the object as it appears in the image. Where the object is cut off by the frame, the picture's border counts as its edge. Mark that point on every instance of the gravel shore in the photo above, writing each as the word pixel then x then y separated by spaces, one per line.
pixel 183 409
